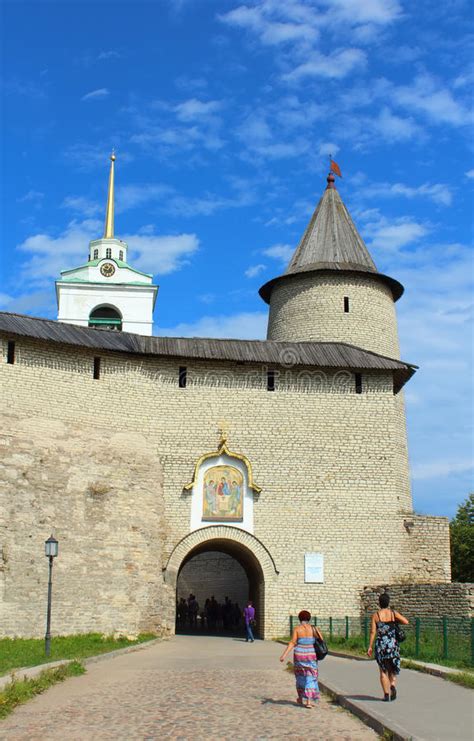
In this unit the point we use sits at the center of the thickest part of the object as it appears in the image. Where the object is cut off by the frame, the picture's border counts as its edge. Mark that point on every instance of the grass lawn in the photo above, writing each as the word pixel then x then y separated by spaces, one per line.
pixel 18 692
pixel 430 649
pixel 22 652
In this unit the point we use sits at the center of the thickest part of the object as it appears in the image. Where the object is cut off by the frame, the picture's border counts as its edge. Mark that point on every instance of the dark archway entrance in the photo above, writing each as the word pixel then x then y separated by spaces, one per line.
pixel 219 568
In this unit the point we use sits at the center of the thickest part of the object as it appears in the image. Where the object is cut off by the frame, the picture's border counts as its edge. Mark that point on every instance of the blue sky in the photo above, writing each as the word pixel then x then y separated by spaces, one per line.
pixel 222 115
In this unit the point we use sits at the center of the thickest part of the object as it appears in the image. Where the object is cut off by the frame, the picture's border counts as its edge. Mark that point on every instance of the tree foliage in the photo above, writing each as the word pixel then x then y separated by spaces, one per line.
pixel 462 542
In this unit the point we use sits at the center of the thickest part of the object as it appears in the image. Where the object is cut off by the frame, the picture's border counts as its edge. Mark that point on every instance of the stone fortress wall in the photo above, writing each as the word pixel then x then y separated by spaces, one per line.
pixel 310 306
pixel 422 600
pixel 101 492
pixel 103 463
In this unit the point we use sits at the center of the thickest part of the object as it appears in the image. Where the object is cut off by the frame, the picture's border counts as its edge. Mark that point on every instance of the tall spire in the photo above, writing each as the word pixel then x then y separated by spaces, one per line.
pixel 109 216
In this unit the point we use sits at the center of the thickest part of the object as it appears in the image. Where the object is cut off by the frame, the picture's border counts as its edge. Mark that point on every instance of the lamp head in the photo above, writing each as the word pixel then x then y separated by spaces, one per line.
pixel 51 547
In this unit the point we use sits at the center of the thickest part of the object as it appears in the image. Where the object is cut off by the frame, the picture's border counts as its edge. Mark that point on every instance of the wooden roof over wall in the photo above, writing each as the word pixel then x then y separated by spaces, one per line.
pixel 288 354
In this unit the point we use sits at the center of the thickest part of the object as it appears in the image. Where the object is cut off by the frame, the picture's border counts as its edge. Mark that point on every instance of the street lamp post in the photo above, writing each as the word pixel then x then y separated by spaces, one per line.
pixel 50 551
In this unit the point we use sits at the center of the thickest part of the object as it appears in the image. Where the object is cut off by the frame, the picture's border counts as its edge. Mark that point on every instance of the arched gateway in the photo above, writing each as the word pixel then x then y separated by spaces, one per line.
pixel 244 547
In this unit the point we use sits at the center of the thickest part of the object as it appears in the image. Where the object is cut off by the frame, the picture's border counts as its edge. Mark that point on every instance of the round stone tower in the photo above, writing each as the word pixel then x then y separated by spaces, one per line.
pixel 331 290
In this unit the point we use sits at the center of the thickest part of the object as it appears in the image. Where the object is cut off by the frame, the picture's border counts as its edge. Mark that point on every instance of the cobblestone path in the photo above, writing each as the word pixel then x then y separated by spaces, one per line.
pixel 188 688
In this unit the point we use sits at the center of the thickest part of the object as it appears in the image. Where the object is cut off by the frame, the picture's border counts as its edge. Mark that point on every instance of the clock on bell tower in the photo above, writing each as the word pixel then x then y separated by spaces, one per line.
pixel 106 292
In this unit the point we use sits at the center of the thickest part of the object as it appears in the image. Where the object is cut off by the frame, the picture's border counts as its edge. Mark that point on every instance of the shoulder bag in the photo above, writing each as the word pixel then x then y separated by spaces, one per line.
pixel 320 647
pixel 400 634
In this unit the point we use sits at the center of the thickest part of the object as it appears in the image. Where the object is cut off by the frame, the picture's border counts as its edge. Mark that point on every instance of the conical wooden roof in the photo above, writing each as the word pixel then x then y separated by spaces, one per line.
pixel 331 237
pixel 331 242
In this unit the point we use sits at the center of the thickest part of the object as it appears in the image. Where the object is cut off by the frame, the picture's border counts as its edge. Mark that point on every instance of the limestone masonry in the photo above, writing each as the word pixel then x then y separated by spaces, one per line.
pixel 141 459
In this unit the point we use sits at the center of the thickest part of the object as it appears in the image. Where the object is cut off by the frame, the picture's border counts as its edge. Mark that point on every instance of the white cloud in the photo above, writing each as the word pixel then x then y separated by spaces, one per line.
pixel 190 83
pixel 254 270
pixel 41 302
pixel 165 199
pixel 470 174
pixel 393 127
pixel 272 24
pixel 255 131
pixel 281 252
pixel 161 254
pixel 166 129
pixel 87 157
pixel 208 203
pixel 48 255
pixel 258 138
pixel 440 468
pixel 5 299
pixel 395 236
pixel 167 140
pixel 95 94
pixel 299 23
pixel 379 12
pixel 336 66
pixel 328 148
pixel 111 54
pixel 82 206
pixel 245 325
pixel 437 192
pixel 435 319
pixel 134 195
pixel 427 96
pixel 192 109
pixel 33 196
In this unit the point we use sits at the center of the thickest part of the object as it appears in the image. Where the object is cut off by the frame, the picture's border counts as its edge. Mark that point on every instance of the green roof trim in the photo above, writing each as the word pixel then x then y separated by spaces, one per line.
pixel 102 283
pixel 110 320
pixel 119 263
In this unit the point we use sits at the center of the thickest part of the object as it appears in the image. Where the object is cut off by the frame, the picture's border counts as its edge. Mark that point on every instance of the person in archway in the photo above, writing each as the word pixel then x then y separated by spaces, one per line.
pixel 249 617
pixel 213 610
pixel 304 660
pixel 387 648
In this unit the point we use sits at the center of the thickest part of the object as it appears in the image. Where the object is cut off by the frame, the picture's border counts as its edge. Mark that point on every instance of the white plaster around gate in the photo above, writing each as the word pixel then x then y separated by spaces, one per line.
pixel 223 457
pixel 196 520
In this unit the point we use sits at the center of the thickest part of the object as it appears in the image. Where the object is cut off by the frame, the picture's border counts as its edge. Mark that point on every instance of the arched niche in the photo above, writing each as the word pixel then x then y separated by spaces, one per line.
pixel 222 491
pixel 106 317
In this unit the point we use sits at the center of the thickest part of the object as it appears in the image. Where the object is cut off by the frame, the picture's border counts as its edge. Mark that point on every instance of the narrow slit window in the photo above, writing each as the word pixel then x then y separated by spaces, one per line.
pixel 10 352
pixel 96 368
pixel 182 377
pixel 96 254
pixel 270 380
pixel 121 255
pixel 358 383
pixel 108 252
pixel 346 304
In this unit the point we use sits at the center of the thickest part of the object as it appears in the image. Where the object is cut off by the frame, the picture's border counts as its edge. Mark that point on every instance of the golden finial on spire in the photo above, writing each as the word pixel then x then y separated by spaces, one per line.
pixel 109 216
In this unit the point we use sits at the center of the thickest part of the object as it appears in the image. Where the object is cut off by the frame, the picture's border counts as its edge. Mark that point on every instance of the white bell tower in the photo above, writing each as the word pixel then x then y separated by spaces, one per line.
pixel 106 292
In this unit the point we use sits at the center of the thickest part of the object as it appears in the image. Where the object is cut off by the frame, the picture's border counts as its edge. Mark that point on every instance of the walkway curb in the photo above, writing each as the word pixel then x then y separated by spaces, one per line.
pixel 28 672
pixel 373 719
pixel 121 651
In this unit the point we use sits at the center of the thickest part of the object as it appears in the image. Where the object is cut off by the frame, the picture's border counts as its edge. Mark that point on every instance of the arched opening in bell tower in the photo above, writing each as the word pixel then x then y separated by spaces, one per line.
pixel 106 317
pixel 222 575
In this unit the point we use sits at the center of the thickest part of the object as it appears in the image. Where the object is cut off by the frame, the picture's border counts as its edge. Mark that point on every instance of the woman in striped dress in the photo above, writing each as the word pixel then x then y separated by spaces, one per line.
pixel 305 662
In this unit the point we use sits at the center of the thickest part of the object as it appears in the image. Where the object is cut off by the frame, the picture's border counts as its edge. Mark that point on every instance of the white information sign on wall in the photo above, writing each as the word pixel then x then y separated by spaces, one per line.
pixel 314 567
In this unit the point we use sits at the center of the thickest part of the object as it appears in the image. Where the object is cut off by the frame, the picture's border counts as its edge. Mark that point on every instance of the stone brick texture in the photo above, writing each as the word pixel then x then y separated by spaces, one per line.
pixel 311 307
pixel 217 574
pixel 417 600
pixel 102 463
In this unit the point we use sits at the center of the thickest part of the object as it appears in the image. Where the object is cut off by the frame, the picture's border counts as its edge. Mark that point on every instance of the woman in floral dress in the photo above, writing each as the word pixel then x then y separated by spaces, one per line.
pixel 305 662
pixel 387 649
